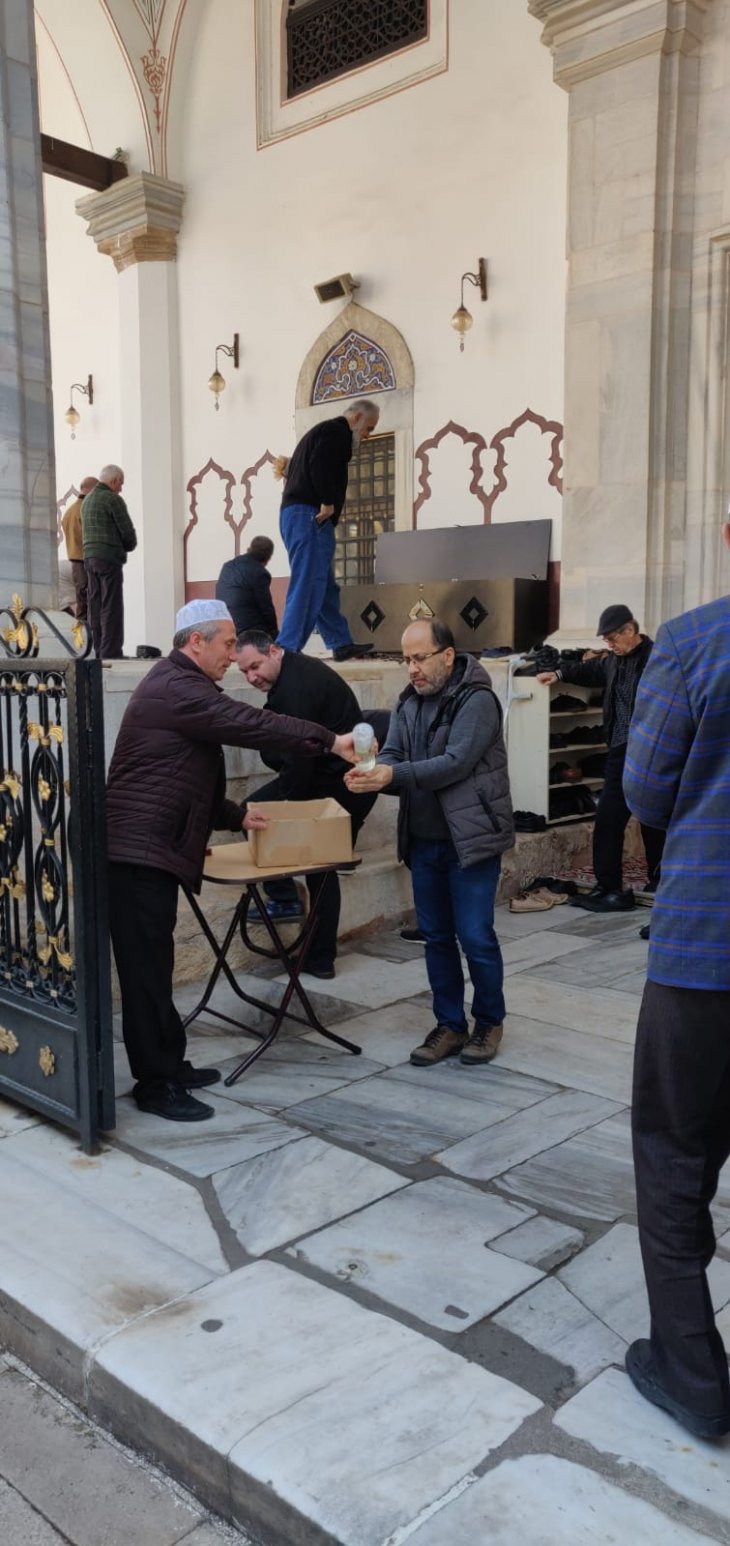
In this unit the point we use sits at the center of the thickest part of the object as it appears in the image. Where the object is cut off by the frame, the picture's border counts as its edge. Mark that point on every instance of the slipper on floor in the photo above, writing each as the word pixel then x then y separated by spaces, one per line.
pixel 532 902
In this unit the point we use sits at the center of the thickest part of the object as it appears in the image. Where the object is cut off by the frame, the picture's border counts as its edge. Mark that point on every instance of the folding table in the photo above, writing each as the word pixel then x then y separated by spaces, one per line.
pixel 229 865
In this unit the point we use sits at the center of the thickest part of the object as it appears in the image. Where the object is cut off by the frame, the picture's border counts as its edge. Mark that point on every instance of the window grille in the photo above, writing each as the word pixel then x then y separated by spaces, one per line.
pixel 328 38
pixel 369 510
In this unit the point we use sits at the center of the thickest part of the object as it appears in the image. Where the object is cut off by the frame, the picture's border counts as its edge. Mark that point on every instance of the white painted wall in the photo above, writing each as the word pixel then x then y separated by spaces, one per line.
pixel 406 194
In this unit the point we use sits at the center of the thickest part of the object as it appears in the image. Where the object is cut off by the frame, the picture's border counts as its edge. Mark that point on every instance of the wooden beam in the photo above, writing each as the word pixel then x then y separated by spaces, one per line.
pixel 79 166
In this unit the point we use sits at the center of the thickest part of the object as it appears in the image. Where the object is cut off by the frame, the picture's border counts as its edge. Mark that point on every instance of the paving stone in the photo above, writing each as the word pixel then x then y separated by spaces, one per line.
pixel 590 1176
pixel 120 1503
pixel 535 949
pixel 608 1277
pixel 500 1086
pixel 543 1242
pixel 144 1196
pixel 499 1148
pixel 20 1525
pixel 71 1273
pixel 236 1133
pixel 298 1188
pixel 311 1405
pixel 551 1319
pixel 539 1500
pixel 602 1012
pixel 399 1121
pixel 300 1072
pixel 519 925
pixel 579 1061
pixel 366 980
pixel 606 965
pixel 267 989
pixel 388 1034
pixel 14 1118
pixel 424 1250
pixel 612 1416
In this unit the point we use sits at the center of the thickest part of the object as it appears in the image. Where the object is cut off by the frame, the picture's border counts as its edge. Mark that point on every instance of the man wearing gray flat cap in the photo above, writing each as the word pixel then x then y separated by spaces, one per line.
pixel 165 794
pixel 617 673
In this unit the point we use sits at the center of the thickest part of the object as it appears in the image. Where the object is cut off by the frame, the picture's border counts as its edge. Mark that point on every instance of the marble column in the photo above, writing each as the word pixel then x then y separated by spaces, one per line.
pixel 631 68
pixel 136 222
pixel 28 544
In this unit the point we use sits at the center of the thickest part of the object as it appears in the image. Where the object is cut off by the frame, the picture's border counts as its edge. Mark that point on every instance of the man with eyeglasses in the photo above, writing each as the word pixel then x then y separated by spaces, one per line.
pixel 445 758
pixel 618 674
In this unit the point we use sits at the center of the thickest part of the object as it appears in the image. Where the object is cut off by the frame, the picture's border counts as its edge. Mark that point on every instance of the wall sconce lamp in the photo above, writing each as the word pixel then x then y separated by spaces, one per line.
pixel 217 381
pixel 462 319
pixel 72 415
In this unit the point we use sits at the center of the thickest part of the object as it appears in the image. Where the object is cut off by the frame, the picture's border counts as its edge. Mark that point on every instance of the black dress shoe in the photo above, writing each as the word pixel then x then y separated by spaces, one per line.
pixel 197 1078
pixel 640 1372
pixel 645 932
pixel 351 651
pixel 324 973
pixel 414 936
pixel 172 1101
pixel 605 901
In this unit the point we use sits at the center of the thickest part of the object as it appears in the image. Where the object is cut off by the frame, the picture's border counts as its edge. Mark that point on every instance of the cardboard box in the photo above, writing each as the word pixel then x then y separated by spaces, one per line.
pixel 301 832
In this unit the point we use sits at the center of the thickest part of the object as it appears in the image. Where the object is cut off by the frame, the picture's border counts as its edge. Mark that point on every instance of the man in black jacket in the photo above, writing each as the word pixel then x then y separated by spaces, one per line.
pixel 311 687
pixel 618 674
pixel 165 793
pixel 314 493
pixel 244 584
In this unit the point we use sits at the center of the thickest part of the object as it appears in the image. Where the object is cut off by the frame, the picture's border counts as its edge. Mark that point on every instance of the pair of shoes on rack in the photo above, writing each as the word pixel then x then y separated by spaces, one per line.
pixel 443 1042
pixel 599 900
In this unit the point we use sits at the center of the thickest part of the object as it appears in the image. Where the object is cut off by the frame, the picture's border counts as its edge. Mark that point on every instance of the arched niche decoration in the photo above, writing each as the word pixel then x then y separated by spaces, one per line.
pixel 395 402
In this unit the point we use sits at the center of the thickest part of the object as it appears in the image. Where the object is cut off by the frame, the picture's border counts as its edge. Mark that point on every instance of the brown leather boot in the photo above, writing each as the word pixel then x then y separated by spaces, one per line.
pixel 440 1043
pixel 483 1044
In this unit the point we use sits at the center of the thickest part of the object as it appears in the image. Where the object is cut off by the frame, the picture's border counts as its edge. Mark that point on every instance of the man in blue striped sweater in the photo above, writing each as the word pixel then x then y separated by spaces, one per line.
pixel 678 777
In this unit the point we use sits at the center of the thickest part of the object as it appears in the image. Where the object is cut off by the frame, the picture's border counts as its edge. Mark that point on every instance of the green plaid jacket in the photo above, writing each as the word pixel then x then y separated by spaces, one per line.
pixel 106 526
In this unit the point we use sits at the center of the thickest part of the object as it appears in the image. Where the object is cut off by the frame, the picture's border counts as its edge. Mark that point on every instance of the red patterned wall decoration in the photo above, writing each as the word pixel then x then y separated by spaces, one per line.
pixel 469 437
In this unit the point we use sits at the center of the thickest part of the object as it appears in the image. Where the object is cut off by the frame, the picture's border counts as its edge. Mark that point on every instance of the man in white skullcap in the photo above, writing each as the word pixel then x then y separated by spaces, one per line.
pixel 165 794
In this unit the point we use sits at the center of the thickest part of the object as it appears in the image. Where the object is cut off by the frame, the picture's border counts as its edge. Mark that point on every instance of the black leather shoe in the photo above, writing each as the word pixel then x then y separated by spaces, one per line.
pixel 351 651
pixel 605 901
pixel 197 1078
pixel 324 973
pixel 171 1101
pixel 645 933
pixel 641 1374
pixel 414 936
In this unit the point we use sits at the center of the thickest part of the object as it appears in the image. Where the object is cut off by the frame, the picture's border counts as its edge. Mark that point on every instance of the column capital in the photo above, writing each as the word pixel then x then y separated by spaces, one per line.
pixel 136 220
pixel 587 37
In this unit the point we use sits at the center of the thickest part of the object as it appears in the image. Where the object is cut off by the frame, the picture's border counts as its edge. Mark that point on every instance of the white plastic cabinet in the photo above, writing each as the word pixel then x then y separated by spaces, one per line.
pixel 530 723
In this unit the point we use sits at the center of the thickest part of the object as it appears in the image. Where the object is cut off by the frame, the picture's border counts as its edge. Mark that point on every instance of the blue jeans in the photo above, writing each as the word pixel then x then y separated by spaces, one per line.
pixel 313 597
pixel 458 904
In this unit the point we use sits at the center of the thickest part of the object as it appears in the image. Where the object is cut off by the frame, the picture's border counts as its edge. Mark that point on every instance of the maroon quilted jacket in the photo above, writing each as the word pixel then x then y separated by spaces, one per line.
pixel 166 787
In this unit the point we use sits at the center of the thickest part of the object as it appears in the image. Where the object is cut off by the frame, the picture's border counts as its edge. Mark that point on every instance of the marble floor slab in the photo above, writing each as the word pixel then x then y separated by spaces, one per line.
pixel 141 1195
pixel 371 981
pixel 540 1500
pixel 543 1242
pixel 589 1176
pixel 608 963
pixel 594 1012
pixel 500 1086
pixel 582 1062
pixel 609 1279
pixel 70 1266
pixel 396 1120
pixel 344 1416
pixel 535 950
pixel 425 1250
pixel 299 1072
pixel 267 989
pixel 552 1320
pixel 14 1118
pixel 289 1192
pixel 518 925
pixel 499 1148
pixel 236 1133
pixel 387 1035
pixel 612 1416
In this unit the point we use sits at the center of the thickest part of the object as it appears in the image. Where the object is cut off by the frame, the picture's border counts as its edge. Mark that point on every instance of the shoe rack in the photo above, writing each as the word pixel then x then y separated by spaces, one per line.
pixel 531 722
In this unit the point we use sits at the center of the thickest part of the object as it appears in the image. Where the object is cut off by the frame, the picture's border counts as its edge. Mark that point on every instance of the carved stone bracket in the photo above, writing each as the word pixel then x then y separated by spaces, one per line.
pixel 136 220
pixel 587 37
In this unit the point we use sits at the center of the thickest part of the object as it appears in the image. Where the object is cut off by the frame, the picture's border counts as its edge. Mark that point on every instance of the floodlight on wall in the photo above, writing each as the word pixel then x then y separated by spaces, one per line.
pixel 72 415
pixel 217 382
pixel 462 319
pixel 342 287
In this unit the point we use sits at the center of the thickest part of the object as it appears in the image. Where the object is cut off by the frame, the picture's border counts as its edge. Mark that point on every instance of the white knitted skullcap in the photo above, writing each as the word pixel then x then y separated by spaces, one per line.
pixel 202 611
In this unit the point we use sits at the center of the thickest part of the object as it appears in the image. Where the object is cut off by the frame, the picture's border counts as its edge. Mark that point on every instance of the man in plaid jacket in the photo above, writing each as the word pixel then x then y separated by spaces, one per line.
pixel 678 777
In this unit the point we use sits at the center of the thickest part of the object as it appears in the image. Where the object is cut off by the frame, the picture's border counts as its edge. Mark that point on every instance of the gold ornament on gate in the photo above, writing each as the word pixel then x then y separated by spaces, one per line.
pixel 46 1062
pixel 8 1042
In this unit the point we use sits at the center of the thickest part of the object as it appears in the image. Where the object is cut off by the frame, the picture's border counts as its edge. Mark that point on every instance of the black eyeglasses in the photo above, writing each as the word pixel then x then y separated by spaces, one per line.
pixel 417 660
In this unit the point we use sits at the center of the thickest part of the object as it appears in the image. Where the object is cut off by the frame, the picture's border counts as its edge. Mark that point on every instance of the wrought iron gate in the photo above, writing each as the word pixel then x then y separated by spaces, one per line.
pixel 55 998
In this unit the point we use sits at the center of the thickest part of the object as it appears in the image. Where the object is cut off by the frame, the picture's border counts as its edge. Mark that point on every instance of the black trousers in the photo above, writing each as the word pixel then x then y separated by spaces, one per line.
pixel 105 603
pixel 681 1131
pixel 324 945
pixel 81 587
pixel 612 818
pixel 142 917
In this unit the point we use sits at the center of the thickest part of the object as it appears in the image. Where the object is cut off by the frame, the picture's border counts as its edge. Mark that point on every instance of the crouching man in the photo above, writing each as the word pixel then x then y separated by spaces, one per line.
pixel 445 758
